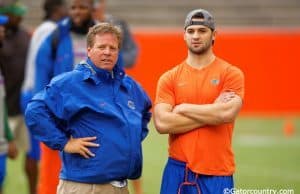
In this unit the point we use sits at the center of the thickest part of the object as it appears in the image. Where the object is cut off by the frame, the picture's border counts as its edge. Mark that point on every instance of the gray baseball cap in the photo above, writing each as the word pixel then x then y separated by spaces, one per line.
pixel 207 19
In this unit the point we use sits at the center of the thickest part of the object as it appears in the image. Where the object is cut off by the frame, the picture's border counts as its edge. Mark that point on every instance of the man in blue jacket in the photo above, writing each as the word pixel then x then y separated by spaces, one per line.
pixel 64 47
pixel 96 116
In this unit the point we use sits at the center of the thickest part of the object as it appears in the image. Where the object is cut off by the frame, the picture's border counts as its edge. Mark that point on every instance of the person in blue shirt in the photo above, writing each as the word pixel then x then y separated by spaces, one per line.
pixel 97 117
pixel 59 52
pixel 54 10
pixel 7 142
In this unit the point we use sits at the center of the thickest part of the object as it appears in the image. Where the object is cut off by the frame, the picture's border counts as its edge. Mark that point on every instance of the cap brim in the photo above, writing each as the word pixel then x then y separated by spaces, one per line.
pixel 3 19
pixel 15 9
pixel 19 10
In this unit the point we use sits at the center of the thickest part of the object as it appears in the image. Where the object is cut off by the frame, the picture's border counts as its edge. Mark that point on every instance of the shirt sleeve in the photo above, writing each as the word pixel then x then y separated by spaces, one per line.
pixel 45 119
pixel 44 65
pixel 165 90
pixel 146 116
pixel 36 42
pixel 234 81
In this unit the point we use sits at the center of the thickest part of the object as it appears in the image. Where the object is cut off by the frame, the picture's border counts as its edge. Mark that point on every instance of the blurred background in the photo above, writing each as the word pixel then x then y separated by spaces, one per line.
pixel 261 37
pixel 171 13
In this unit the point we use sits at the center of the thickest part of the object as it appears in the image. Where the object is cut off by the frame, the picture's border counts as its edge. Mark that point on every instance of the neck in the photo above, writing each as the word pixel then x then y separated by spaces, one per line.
pixel 56 17
pixel 101 18
pixel 84 28
pixel 200 60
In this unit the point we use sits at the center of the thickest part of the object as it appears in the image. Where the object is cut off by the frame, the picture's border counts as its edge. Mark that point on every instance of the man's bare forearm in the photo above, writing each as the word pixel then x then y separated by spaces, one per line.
pixel 167 121
pixel 211 114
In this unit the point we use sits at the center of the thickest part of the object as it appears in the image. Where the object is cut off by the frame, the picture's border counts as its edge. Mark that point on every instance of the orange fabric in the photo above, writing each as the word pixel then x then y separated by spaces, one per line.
pixel 269 81
pixel 206 150
pixel 267 56
pixel 50 165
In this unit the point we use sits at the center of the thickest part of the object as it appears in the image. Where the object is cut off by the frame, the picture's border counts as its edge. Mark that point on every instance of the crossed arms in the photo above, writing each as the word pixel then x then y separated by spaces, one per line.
pixel 186 117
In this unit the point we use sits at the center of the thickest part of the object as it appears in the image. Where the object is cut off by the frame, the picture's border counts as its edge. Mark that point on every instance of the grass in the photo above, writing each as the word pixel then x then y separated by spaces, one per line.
pixel 265 158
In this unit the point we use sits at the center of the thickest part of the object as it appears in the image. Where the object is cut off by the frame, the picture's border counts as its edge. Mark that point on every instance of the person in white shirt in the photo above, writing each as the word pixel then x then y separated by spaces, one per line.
pixel 54 11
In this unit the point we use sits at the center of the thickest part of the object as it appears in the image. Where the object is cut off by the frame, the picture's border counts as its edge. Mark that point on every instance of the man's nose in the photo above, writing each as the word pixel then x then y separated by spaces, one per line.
pixel 107 50
pixel 196 35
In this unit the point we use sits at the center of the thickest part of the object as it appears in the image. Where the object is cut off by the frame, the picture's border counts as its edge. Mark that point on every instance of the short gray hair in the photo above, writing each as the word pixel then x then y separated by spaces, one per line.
pixel 103 28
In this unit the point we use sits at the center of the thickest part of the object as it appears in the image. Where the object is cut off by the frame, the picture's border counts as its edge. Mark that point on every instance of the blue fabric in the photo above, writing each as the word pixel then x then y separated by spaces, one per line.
pixel 2 168
pixel 46 66
pixel 174 176
pixel 88 101
pixel 3 19
pixel 35 150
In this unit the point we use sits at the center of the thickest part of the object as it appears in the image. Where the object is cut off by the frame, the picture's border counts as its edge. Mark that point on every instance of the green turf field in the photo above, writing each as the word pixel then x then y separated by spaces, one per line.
pixel 265 157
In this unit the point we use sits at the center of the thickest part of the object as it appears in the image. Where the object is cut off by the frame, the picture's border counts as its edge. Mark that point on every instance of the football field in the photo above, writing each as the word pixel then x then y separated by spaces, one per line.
pixel 265 157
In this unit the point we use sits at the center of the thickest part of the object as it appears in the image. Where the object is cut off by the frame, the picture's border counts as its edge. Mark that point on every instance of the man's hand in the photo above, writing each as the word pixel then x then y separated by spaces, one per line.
pixel 225 97
pixel 79 146
pixel 12 152
pixel 178 109
pixel 224 110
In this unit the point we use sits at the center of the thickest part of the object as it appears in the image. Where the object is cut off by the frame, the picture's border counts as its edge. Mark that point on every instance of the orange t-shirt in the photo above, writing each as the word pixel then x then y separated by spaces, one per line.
pixel 206 150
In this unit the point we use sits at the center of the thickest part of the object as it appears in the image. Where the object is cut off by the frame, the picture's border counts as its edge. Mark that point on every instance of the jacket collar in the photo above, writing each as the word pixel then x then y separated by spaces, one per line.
pixel 98 75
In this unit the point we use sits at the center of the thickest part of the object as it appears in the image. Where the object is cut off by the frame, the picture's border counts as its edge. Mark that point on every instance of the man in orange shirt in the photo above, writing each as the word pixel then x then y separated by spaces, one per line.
pixel 196 104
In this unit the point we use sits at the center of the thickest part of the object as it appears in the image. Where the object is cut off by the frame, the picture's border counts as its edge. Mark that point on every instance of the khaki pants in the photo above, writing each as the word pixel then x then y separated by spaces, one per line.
pixel 19 130
pixel 70 187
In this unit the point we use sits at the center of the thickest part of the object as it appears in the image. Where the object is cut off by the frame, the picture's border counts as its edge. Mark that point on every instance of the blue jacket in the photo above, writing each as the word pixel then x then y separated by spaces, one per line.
pixel 49 64
pixel 88 101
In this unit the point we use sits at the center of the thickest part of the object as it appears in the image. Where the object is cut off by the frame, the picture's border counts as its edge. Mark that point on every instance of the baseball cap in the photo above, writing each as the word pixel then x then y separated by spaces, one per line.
pixel 15 8
pixel 3 19
pixel 207 19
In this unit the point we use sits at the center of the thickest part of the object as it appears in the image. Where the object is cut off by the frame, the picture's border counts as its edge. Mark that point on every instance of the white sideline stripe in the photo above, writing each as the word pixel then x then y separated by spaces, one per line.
pixel 266 141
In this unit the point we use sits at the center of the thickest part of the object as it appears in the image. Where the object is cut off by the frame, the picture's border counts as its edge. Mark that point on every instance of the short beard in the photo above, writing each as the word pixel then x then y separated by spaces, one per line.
pixel 200 51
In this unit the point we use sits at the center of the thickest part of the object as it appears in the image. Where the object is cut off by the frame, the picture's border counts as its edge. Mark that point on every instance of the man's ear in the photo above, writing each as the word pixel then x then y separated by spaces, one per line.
pixel 88 51
pixel 214 35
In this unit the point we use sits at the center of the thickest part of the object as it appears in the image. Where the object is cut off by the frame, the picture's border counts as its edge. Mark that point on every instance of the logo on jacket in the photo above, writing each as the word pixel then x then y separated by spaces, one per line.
pixel 215 82
pixel 102 104
pixel 131 104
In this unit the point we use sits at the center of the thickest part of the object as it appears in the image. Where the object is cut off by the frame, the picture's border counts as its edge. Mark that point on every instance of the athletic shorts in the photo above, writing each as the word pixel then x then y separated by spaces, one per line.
pixel 34 151
pixel 178 179
pixel 2 168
